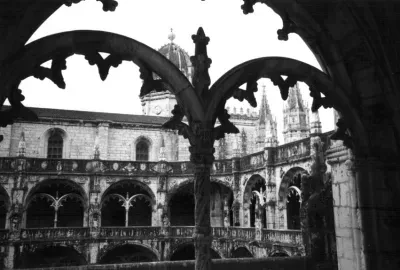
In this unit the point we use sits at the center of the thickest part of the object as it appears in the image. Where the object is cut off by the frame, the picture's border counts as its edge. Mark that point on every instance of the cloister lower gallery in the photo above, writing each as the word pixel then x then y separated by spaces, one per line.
pixel 191 183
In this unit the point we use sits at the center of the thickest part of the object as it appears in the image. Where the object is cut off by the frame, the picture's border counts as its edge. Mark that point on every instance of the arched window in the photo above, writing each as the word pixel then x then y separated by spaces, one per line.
pixel 55 145
pixel 142 150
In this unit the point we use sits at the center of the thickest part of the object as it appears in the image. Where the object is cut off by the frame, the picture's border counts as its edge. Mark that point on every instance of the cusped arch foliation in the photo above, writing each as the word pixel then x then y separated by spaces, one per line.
pixel 86 42
pixel 44 182
pixel 130 181
pixel 270 67
pixel 175 189
pixel 249 185
pixel 285 182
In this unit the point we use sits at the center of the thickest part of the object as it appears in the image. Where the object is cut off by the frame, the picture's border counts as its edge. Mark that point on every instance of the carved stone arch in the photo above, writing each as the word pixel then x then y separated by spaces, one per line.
pixel 273 68
pixel 6 197
pixel 190 244
pixel 49 181
pixel 285 182
pixel 45 139
pixel 177 245
pixel 175 189
pixel 222 183
pixel 60 46
pixel 134 182
pixel 251 182
pixel 148 141
pixel 114 245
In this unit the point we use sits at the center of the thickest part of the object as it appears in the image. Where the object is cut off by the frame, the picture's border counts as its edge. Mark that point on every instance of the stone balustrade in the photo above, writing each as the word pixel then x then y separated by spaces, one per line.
pixel 291 237
pixel 281 154
pixel 48 234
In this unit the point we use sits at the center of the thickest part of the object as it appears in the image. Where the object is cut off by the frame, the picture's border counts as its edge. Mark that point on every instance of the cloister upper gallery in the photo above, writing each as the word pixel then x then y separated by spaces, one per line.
pixel 86 188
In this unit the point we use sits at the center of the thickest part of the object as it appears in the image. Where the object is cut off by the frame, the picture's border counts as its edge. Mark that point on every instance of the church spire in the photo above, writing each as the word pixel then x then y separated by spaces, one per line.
pixel 22 145
pixel 295 116
pixel 315 124
pixel 265 111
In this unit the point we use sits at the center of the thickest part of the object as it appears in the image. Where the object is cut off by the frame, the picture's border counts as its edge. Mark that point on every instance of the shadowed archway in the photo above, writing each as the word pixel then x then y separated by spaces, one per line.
pixel 241 252
pixel 187 252
pixel 128 254
pixel 51 256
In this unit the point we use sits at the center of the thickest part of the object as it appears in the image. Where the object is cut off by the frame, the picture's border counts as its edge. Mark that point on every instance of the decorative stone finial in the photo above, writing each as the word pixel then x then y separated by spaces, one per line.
pixel 162 150
pixel 171 36
pixel 22 145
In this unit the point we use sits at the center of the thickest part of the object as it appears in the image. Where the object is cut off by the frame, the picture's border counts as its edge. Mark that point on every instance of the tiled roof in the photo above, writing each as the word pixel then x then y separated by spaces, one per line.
pixel 46 113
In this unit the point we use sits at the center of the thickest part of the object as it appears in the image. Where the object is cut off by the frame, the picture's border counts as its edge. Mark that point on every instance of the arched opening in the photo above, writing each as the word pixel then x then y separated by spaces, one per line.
pixel 142 150
pixel 126 203
pixel 4 201
pixel 55 144
pixel 279 254
pixel 181 206
pixel 241 252
pixel 55 203
pixel 128 254
pixel 221 205
pixel 256 210
pixel 186 252
pixel 51 256
pixel 290 196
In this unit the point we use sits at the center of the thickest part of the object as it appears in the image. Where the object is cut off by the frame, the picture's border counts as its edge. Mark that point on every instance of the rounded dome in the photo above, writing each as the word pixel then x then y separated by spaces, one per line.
pixel 177 55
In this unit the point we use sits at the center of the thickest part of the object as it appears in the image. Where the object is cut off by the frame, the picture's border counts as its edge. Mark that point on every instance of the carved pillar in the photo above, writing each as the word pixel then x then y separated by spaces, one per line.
pixel 202 156
pixel 236 192
pixel 345 207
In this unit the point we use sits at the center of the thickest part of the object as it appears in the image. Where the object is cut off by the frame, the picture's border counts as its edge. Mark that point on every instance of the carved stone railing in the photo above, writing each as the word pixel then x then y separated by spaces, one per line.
pixel 293 151
pixel 50 234
pixel 282 236
pixel 281 154
pixel 253 161
pixel 130 232
pixel 290 237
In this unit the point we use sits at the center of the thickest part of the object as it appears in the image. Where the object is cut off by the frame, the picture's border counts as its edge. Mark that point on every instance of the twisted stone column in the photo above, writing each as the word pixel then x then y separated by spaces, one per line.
pixel 202 156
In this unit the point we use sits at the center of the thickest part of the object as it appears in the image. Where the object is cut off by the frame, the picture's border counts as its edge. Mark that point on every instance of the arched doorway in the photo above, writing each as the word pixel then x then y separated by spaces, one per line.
pixel 55 203
pixel 128 254
pixel 127 203
pixel 255 183
pixel 290 197
pixel 51 256
pixel 241 252
pixel 187 252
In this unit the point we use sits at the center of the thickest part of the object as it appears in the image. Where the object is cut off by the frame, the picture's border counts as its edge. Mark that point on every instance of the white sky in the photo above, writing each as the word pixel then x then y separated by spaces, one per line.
pixel 234 38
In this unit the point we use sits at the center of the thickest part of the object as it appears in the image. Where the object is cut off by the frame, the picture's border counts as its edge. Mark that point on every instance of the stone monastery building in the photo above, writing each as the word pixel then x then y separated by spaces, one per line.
pixel 103 188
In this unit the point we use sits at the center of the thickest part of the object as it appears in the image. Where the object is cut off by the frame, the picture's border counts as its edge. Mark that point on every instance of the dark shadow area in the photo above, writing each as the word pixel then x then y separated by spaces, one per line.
pixel 51 257
pixel 187 252
pixel 128 254
pixel 182 207
pixel 241 252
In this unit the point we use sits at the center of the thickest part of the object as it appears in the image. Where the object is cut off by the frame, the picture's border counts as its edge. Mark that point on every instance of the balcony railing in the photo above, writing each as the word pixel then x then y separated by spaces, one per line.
pixel 143 233
pixel 48 234
pixel 283 153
